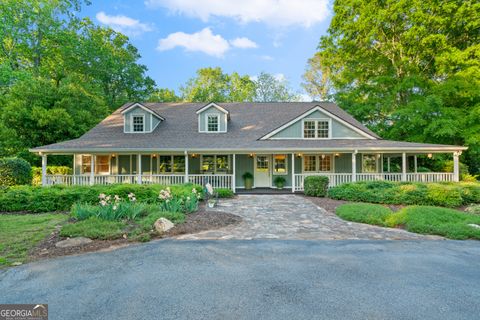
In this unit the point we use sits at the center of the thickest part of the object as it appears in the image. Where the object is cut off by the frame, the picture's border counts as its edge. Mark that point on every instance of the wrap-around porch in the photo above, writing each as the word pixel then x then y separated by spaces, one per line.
pixel 225 170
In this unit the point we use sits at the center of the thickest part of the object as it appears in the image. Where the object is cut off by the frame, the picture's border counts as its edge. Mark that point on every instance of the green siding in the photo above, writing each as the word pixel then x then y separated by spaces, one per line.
pixel 194 165
pixel 243 164
pixel 212 110
pixel 151 121
pixel 146 164
pixel 338 130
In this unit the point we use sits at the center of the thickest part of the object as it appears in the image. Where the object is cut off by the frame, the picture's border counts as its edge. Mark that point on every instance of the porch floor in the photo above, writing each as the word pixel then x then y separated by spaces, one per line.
pixel 265 191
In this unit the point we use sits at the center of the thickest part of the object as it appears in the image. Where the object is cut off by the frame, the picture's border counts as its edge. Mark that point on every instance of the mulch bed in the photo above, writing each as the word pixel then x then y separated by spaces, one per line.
pixel 326 203
pixel 201 220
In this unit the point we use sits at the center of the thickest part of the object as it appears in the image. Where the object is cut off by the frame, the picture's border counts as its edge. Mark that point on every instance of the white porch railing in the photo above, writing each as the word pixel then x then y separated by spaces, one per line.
pixel 339 178
pixel 216 180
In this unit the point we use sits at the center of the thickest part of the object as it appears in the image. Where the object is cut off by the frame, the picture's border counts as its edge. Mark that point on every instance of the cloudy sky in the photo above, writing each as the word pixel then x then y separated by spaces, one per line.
pixel 176 37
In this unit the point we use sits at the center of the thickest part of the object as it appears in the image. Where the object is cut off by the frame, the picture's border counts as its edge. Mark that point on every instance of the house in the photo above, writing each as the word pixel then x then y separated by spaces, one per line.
pixel 171 143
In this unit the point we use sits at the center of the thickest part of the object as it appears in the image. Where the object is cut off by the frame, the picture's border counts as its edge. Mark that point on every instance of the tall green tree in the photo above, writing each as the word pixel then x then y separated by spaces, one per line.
pixel 410 69
pixel 269 88
pixel 163 95
pixel 60 75
pixel 212 84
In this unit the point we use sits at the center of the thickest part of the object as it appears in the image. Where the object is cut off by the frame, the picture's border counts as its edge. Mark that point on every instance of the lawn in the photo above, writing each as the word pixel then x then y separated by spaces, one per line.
pixel 445 222
pixel 21 233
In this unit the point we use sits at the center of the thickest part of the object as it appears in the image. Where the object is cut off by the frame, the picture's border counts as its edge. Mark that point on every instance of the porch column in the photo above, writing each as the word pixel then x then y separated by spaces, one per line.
pixel 404 166
pixel 388 164
pixel 186 167
pixel 292 169
pixel 234 189
pixel 139 170
pixel 456 166
pixel 415 163
pixel 92 169
pixel 74 166
pixel 354 166
pixel 44 169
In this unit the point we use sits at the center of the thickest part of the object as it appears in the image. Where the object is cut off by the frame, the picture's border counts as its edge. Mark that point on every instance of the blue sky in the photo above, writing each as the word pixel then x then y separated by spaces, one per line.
pixel 177 37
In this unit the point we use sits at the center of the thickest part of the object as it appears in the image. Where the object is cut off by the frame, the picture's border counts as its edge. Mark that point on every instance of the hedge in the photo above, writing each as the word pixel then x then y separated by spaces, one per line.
pixel 15 171
pixel 37 173
pixel 61 198
pixel 315 186
pixel 434 194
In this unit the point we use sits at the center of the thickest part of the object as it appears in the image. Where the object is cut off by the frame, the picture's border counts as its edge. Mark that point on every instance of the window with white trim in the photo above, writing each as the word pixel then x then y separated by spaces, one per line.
pixel 218 163
pixel 171 164
pixel 86 164
pixel 317 163
pixel 138 123
pixel 102 164
pixel 280 164
pixel 213 123
pixel 316 129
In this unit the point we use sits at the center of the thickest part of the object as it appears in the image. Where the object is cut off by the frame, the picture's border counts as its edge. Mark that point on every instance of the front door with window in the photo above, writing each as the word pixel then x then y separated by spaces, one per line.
pixel 262 171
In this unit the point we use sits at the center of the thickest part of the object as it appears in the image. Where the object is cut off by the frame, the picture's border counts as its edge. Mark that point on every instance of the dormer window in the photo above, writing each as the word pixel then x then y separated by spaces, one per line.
pixel 213 121
pixel 138 123
pixel 316 129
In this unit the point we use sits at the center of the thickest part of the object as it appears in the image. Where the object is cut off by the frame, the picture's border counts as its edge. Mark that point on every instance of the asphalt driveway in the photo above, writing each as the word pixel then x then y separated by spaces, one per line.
pixel 293 217
pixel 256 279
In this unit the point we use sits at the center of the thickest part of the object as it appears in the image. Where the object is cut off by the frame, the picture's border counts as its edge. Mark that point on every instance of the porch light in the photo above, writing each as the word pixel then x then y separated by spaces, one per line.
pixel 323 156
pixel 378 156
pixel 429 156
pixel 194 155
pixel 154 155
pixel 299 155
pixel 114 155
pixel 251 155
pixel 337 154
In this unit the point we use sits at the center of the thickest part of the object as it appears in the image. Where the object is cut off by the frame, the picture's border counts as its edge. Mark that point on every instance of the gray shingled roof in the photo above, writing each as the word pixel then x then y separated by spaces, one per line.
pixel 248 123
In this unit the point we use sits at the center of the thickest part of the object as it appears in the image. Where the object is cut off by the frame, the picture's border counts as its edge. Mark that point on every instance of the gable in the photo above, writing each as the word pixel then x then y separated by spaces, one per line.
pixel 150 120
pixel 339 129
pixel 212 110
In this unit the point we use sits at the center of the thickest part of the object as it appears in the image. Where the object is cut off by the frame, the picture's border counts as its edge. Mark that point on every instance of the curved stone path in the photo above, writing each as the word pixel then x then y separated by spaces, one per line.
pixel 293 217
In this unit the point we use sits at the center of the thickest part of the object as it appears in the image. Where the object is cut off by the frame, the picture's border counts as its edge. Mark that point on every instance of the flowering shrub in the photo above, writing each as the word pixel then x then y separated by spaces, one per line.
pixel 111 208
pixel 175 203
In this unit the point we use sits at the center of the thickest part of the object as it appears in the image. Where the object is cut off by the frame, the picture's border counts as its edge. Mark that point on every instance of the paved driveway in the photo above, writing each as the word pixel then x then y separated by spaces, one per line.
pixel 293 217
pixel 257 279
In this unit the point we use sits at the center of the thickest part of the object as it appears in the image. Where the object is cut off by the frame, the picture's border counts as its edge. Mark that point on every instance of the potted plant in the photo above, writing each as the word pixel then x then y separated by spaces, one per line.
pixel 248 180
pixel 211 202
pixel 279 182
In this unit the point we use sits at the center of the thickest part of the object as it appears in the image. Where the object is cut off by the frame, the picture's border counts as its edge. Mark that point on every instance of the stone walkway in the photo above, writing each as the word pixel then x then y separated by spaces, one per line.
pixel 293 217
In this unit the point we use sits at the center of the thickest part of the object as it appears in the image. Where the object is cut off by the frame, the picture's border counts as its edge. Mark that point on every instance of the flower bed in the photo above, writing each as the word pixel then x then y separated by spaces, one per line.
pixel 61 198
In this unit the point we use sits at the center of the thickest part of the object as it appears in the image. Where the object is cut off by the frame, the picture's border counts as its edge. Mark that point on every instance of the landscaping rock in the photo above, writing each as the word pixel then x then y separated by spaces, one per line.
pixel 72 242
pixel 163 225
pixel 473 225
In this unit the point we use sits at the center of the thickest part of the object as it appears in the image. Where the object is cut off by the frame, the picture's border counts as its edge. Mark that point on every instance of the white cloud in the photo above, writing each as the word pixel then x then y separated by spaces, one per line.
pixel 266 57
pixel 204 41
pixel 123 24
pixel 280 77
pixel 243 43
pixel 272 12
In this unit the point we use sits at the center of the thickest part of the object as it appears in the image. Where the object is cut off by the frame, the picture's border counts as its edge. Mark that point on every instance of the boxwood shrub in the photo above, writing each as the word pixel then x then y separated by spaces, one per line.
pixel 61 198
pixel 434 194
pixel 315 186
pixel 15 171
pixel 224 193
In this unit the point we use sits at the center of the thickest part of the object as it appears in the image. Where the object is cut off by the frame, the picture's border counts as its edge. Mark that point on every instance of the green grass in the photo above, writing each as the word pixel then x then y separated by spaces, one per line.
pixel 20 233
pixel 445 222
pixel 95 228
pixel 364 213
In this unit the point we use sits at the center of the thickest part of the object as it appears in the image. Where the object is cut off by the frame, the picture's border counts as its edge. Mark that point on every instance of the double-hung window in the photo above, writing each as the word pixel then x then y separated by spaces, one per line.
pixel 171 164
pixel 317 163
pixel 213 123
pixel 316 129
pixel 138 123
pixel 219 163
pixel 280 164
